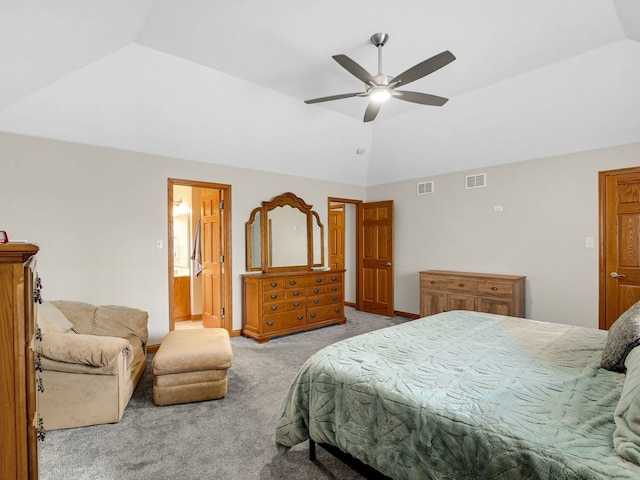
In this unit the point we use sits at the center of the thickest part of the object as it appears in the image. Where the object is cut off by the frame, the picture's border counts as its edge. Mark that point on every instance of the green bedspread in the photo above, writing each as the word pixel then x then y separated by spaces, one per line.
pixel 463 395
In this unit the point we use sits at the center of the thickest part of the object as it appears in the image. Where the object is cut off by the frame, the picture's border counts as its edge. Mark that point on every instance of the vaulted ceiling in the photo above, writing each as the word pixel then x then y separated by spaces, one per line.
pixel 224 82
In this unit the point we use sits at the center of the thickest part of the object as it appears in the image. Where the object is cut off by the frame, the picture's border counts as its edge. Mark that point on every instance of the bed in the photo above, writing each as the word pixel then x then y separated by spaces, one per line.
pixel 463 395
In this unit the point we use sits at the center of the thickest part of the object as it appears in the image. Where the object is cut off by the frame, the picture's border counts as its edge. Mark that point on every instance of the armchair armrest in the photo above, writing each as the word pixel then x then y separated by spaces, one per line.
pixel 76 348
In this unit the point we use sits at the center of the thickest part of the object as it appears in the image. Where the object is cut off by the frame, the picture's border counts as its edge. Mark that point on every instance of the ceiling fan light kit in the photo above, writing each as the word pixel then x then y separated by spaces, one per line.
pixel 381 87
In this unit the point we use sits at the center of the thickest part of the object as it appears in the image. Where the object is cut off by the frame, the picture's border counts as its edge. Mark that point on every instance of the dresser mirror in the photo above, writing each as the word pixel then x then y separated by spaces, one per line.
pixel 284 234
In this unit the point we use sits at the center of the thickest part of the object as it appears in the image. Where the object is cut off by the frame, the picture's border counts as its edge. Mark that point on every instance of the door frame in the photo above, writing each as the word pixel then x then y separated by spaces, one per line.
pixel 603 274
pixel 356 203
pixel 226 281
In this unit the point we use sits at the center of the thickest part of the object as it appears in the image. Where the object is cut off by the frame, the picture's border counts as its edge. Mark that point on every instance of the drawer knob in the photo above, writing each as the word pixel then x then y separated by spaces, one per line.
pixel 270 323
pixel 316 290
pixel 433 282
pixel 494 288
pixel 300 317
pixel 334 298
pixel 296 304
pixel 461 285
pixel 274 284
pixel 292 282
pixel 319 279
pixel 338 310
pixel 314 315
pixel 316 301
pixel 274 307
pixel 334 278
pixel 296 293
pixel 334 289
pixel 274 295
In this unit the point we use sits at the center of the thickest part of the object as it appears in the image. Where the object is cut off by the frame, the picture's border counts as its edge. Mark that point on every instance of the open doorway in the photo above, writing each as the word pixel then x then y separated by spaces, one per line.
pixel 199 247
pixel 343 244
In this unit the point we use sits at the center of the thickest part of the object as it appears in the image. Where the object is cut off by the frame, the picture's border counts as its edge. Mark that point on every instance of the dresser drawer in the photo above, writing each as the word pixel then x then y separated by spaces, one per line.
pixel 293 293
pixel 281 321
pixel 307 281
pixel 316 301
pixel 269 308
pixel 333 298
pixel 316 290
pixel 448 284
pixel 462 285
pixel 276 284
pixel 318 314
pixel 297 304
pixel 433 283
pixel 495 288
pixel 273 296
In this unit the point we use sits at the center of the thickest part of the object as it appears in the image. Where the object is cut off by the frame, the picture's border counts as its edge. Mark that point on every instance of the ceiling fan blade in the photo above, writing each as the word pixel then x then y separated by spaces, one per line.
pixel 423 68
pixel 422 98
pixel 354 69
pixel 332 97
pixel 372 111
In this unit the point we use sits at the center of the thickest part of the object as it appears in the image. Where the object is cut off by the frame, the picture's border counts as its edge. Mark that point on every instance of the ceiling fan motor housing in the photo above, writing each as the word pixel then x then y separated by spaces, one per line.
pixel 379 39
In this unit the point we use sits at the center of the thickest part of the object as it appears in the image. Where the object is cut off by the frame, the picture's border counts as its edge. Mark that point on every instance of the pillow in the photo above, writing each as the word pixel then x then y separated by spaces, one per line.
pixel 623 335
pixel 50 319
pixel 626 436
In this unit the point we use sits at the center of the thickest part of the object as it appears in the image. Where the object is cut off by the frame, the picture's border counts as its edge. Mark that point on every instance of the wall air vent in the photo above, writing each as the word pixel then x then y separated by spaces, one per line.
pixel 476 181
pixel 424 188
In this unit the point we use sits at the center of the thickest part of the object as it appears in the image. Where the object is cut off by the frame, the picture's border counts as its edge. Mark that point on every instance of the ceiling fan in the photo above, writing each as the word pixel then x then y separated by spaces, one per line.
pixel 381 87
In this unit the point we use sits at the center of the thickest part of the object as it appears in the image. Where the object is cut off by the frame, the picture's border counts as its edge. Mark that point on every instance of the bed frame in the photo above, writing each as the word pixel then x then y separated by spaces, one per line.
pixel 363 469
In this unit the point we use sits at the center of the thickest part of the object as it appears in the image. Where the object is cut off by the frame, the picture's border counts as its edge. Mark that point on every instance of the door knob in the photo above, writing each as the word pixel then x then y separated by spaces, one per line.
pixel 388 264
pixel 617 275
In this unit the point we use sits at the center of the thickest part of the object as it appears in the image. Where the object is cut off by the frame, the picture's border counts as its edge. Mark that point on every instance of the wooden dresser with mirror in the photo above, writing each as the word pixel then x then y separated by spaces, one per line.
pixel 291 290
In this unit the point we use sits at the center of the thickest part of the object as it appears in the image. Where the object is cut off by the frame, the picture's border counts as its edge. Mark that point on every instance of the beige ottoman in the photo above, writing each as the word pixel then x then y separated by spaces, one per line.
pixel 191 366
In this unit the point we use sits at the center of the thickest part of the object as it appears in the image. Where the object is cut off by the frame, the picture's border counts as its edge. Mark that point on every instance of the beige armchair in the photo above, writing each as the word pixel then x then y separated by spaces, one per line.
pixel 92 359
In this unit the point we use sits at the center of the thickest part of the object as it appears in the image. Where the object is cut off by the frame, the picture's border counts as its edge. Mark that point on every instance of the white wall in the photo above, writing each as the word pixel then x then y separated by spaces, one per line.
pixel 550 207
pixel 96 214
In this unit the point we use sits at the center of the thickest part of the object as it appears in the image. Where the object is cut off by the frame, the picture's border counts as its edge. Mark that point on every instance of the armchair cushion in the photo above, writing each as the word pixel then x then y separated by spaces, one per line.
pixel 109 320
pixel 92 350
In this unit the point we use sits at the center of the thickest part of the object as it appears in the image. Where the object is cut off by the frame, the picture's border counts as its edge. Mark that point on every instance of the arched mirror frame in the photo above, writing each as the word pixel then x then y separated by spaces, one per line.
pixel 259 256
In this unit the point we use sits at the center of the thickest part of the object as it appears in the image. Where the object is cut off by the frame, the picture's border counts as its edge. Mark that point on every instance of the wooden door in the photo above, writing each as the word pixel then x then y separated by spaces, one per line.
pixel 212 261
pixel 375 235
pixel 619 194
pixel 336 237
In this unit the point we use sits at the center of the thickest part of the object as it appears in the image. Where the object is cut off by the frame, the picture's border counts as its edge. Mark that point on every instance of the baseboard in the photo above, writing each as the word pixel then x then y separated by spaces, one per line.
pixel 398 313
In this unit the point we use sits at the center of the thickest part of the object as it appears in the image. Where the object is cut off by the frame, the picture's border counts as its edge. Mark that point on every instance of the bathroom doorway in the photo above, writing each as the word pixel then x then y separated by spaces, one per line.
pixel 343 244
pixel 199 247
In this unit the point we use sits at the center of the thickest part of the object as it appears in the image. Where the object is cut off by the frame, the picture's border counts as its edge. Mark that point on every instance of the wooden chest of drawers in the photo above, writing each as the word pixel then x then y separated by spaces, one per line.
pixel 441 291
pixel 277 304
pixel 19 421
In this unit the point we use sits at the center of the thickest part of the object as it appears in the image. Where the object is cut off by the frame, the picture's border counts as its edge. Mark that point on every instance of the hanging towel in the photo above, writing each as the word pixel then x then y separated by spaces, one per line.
pixel 196 250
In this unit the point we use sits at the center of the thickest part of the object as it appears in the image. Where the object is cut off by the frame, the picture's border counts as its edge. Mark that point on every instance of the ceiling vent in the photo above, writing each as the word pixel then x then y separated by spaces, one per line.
pixel 476 181
pixel 424 188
